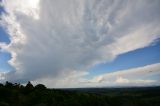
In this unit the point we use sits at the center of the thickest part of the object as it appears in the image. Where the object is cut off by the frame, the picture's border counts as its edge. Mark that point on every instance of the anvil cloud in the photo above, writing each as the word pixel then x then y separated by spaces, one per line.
pixel 55 38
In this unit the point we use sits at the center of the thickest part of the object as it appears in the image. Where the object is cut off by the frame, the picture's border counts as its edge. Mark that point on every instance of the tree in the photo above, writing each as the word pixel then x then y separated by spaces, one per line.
pixel 8 84
pixel 17 85
pixel 1 85
pixel 40 86
pixel 29 85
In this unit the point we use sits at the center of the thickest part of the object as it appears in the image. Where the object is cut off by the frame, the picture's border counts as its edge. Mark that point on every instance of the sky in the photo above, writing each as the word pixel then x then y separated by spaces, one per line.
pixel 80 43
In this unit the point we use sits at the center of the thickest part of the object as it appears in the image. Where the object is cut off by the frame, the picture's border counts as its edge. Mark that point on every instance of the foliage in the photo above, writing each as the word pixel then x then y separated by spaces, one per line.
pixel 40 86
pixel 18 95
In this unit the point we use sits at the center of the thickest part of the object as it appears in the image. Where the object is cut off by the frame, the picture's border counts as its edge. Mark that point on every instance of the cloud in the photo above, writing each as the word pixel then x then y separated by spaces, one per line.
pixel 50 38
pixel 140 76
pixel 66 80
pixel 2 45
pixel 121 80
pixel 2 76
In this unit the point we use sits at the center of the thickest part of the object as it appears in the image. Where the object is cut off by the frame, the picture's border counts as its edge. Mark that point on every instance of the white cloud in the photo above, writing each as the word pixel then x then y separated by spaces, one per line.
pixel 53 37
pixel 2 76
pixel 121 80
pixel 2 45
pixel 134 40
pixel 141 76
pixel 131 77
pixel 71 79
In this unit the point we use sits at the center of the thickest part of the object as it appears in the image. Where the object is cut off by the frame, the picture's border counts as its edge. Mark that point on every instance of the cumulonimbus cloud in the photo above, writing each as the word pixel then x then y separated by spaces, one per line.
pixel 50 38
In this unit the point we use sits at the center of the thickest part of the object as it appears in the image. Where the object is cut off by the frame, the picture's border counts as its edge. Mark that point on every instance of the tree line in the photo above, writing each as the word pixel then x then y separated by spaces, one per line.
pixel 15 94
pixel 29 85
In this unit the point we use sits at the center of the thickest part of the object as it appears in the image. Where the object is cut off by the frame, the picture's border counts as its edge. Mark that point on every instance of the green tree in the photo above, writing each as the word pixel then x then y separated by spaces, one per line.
pixel 29 85
pixel 9 84
pixel 40 87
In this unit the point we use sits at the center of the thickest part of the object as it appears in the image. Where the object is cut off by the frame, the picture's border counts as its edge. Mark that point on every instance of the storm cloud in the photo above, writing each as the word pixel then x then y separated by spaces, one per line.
pixel 53 38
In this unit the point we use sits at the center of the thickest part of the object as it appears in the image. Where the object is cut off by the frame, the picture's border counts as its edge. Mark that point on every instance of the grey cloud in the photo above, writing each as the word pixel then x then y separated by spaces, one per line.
pixel 74 35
